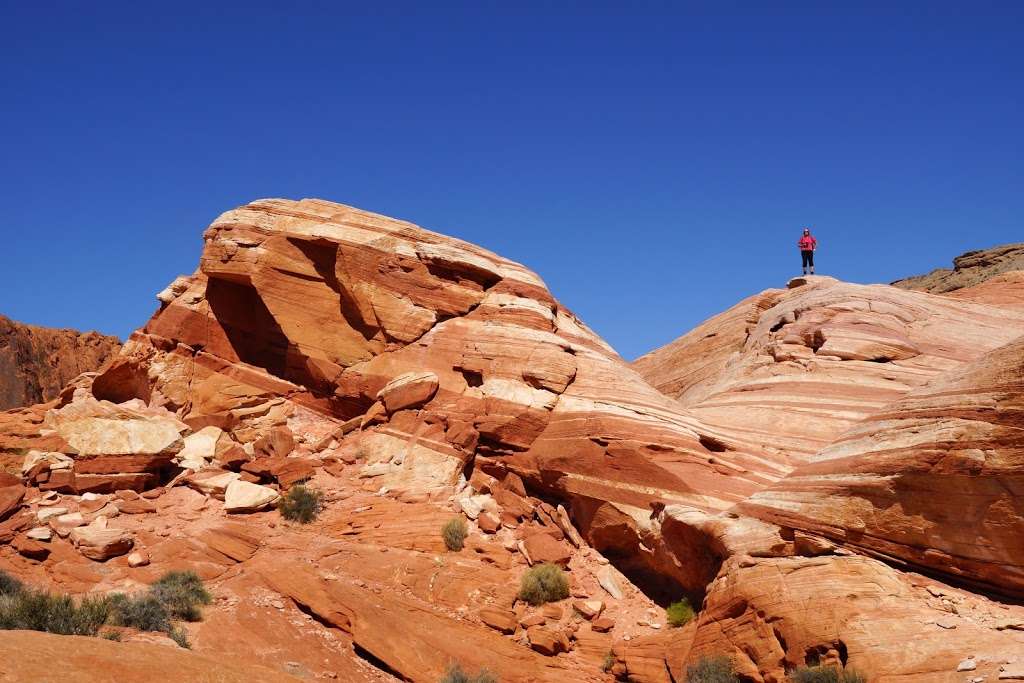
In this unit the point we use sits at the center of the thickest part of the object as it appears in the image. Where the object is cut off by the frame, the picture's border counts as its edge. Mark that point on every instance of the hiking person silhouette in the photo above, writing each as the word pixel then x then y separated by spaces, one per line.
pixel 807 245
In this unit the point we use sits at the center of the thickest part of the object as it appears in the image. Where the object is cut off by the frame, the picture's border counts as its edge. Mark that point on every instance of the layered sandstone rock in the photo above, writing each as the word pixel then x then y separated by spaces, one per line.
pixel 969 269
pixel 32 656
pixel 935 479
pixel 790 370
pixel 411 378
pixel 773 615
pixel 36 362
pixel 439 350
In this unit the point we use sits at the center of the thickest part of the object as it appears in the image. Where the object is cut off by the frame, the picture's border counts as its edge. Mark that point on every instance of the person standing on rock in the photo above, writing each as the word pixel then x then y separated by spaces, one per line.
pixel 807 245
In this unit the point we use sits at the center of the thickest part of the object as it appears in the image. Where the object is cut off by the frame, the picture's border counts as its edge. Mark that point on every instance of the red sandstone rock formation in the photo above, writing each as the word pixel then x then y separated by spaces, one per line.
pixel 969 270
pixel 789 370
pixel 411 378
pixel 36 362
pixel 935 479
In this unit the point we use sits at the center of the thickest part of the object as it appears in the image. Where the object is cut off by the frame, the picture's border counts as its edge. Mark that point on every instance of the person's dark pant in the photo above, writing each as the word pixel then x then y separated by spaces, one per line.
pixel 808 258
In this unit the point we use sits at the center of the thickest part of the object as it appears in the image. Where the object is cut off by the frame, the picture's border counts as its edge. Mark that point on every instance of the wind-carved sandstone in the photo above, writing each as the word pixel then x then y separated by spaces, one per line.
pixel 412 377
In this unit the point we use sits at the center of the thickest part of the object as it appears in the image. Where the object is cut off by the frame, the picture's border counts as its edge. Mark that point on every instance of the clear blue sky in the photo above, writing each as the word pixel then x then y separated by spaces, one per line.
pixel 653 162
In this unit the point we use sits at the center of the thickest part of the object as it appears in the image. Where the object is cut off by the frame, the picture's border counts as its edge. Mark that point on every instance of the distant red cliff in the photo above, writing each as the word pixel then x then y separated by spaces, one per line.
pixel 36 362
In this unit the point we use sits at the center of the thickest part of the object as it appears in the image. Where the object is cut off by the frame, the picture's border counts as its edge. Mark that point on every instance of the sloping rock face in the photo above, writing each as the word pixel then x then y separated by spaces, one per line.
pixel 30 656
pixel 36 362
pixel 935 479
pixel 412 379
pixel 969 269
pixel 334 308
pixel 773 615
pixel 1005 290
pixel 790 370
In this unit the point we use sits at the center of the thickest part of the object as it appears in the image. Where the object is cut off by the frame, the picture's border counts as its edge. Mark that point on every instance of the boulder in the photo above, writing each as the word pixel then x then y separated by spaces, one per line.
pixel 498 619
pixel 294 470
pixel 46 513
pixel 30 548
pixel 602 624
pixel 139 558
pixel 200 448
pixel 100 543
pixel 541 547
pixel 488 523
pixel 409 390
pixel 532 620
pixel 473 506
pixel 212 483
pixel 241 496
pixel 134 432
pixel 547 641
pixel 606 578
pixel 277 443
pixel 588 609
pixel 10 499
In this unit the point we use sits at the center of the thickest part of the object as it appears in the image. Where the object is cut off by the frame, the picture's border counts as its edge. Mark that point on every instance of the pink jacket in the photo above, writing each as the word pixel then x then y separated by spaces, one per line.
pixel 807 243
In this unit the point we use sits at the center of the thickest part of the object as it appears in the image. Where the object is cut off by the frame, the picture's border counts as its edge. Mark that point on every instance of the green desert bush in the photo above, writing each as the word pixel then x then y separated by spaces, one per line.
pixel 32 610
pixel 112 635
pixel 456 674
pixel 715 669
pixel 454 533
pixel 609 661
pixel 9 584
pixel 181 593
pixel 301 504
pixel 679 613
pixel 176 595
pixel 544 583
pixel 143 612
pixel 825 674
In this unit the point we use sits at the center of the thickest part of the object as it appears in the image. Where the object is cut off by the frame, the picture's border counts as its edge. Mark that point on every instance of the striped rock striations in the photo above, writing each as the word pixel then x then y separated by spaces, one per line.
pixel 788 371
pixel 935 480
pixel 793 458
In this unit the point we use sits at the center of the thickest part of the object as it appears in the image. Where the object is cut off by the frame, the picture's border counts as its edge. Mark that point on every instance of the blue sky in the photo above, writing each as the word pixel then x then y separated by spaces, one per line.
pixel 654 162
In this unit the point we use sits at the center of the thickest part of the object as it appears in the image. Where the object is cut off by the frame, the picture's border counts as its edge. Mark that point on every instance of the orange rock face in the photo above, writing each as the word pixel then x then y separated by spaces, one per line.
pixel 436 344
pixel 790 370
pixel 36 362
pixel 935 479
pixel 409 379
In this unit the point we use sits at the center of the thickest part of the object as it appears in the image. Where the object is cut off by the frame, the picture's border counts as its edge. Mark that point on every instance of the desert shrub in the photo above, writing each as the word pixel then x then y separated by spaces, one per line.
pixel 144 612
pixel 9 584
pixel 181 593
pixel 716 669
pixel 454 533
pixel 32 610
pixel 609 661
pixel 678 613
pixel 456 674
pixel 544 583
pixel 178 635
pixel 177 595
pixel 112 635
pixel 825 674
pixel 301 504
